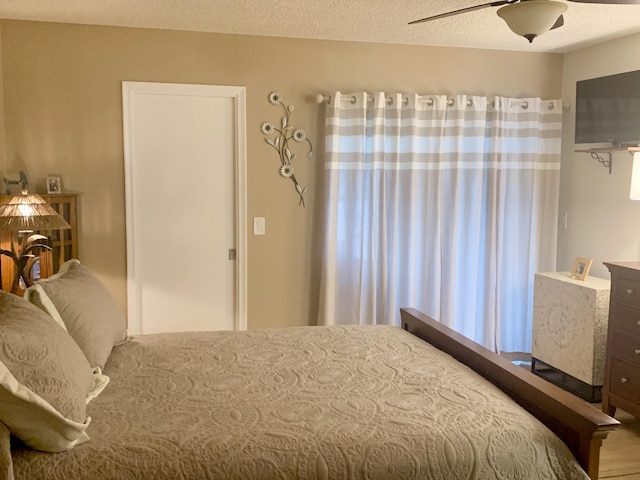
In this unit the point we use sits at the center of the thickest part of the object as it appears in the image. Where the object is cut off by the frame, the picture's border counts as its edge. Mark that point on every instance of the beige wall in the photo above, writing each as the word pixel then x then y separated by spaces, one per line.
pixel 63 115
pixel 603 224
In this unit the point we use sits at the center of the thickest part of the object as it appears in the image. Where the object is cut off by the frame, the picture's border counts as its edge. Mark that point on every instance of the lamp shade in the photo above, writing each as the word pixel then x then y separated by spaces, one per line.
pixel 531 18
pixel 29 211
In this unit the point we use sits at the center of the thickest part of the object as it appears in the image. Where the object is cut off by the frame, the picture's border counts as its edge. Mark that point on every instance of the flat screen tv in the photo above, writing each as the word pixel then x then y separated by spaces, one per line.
pixel 608 109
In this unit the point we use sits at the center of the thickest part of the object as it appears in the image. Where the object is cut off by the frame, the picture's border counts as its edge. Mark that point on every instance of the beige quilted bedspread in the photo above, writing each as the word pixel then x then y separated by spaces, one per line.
pixel 361 402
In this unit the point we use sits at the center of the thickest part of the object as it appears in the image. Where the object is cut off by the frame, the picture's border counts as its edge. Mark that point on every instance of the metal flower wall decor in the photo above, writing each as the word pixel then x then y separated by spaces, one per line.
pixel 280 138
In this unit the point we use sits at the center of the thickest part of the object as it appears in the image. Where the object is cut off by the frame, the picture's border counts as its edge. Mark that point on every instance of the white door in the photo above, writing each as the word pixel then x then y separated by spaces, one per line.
pixel 185 202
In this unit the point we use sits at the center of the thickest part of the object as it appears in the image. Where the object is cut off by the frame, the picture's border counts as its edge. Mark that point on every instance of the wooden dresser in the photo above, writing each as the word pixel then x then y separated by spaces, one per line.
pixel 622 371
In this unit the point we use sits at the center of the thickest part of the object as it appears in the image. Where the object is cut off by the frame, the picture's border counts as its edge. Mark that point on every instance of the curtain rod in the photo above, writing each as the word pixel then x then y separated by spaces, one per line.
pixel 321 98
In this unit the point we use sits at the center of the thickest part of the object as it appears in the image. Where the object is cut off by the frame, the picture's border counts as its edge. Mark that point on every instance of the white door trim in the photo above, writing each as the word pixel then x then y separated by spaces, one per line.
pixel 238 96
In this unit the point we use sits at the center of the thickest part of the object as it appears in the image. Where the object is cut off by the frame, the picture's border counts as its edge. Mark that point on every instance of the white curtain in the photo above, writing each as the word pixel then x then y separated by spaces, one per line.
pixel 444 204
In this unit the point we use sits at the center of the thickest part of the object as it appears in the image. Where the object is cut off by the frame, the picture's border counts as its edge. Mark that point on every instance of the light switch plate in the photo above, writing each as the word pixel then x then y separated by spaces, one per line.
pixel 258 225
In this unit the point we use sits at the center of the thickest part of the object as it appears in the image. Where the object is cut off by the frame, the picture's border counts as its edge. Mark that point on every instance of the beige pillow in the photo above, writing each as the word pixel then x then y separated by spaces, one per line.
pixel 76 299
pixel 45 379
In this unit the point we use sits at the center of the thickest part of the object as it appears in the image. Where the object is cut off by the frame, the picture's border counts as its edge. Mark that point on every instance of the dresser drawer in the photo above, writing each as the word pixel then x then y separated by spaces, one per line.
pixel 625 319
pixel 628 291
pixel 626 347
pixel 625 381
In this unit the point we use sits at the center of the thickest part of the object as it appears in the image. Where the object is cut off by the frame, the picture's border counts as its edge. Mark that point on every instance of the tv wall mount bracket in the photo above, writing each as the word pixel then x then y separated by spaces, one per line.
pixel 605 156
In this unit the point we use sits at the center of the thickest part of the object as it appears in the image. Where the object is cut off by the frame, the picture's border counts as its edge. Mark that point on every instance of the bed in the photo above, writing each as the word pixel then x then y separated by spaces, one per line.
pixel 361 402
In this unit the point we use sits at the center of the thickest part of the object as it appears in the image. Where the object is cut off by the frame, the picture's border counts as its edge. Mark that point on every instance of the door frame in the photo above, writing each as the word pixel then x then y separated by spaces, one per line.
pixel 238 95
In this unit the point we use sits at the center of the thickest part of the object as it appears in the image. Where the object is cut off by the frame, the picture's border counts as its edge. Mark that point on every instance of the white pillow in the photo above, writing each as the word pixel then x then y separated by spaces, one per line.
pixel 76 299
pixel 45 380
pixel 100 382
pixel 34 421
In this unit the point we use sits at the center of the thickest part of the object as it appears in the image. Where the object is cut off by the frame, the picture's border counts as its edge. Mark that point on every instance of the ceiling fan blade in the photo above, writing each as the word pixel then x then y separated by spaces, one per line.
pixel 464 10
pixel 559 22
pixel 609 2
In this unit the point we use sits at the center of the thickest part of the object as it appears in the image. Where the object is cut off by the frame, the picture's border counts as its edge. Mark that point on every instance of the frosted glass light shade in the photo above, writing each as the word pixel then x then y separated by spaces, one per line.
pixel 634 194
pixel 532 18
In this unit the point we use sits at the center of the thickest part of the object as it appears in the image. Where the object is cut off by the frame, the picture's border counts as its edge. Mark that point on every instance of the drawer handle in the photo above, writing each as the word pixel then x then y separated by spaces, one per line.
pixel 624 380
pixel 637 351
pixel 629 291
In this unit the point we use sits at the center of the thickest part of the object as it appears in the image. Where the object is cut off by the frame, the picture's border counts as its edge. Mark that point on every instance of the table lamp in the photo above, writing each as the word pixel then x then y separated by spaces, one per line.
pixel 23 215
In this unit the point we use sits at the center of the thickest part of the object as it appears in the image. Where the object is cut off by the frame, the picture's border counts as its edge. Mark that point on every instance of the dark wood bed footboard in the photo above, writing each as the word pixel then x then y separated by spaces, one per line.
pixel 581 426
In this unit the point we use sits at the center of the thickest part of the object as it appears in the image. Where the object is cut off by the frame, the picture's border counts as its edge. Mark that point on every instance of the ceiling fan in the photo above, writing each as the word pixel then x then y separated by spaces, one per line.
pixel 527 18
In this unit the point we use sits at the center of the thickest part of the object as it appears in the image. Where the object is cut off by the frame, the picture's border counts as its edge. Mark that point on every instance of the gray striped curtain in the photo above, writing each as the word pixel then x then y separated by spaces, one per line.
pixel 445 204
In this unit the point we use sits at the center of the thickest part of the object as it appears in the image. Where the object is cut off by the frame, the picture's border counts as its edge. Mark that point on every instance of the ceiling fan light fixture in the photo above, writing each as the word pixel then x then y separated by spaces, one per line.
pixel 531 18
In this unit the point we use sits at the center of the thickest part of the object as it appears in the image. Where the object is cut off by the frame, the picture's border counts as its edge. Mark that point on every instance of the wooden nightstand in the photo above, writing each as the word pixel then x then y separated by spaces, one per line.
pixel 622 372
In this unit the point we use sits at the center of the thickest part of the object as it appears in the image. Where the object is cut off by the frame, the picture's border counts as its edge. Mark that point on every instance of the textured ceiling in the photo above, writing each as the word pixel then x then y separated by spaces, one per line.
pixel 353 20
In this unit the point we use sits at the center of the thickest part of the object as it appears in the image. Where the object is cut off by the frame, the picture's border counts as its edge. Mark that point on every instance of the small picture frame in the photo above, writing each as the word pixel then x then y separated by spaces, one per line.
pixel 54 184
pixel 581 268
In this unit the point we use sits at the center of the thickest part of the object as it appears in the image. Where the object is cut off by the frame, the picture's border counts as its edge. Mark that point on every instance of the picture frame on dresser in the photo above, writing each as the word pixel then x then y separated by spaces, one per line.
pixel 581 268
pixel 54 184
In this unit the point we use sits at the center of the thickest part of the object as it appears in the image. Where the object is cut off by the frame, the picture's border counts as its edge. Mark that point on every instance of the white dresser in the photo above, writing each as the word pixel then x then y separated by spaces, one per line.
pixel 569 342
